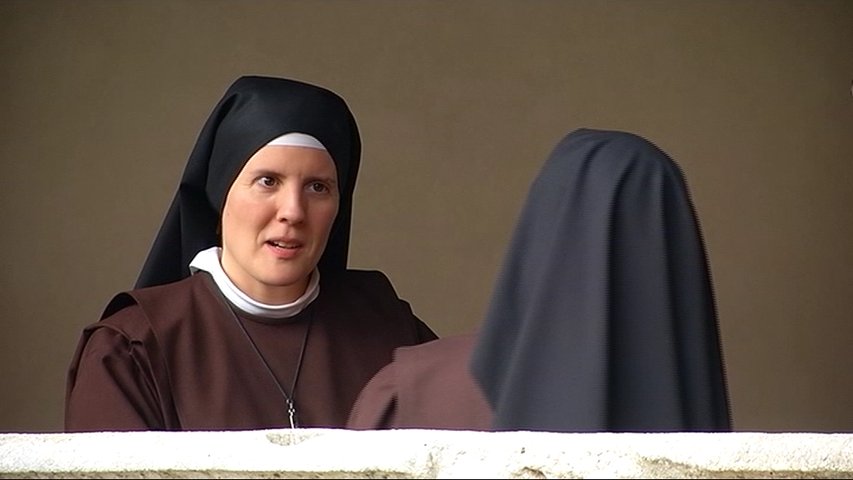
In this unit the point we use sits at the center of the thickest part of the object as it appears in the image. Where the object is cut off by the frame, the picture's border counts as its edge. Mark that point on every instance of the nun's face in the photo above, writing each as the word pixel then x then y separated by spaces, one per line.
pixel 276 221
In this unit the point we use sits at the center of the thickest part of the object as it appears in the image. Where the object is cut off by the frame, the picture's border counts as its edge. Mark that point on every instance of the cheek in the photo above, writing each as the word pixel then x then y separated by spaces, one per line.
pixel 237 215
pixel 226 226
pixel 330 215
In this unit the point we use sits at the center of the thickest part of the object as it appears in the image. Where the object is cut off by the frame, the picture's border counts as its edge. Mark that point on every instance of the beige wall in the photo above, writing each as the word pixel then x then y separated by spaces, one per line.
pixel 458 104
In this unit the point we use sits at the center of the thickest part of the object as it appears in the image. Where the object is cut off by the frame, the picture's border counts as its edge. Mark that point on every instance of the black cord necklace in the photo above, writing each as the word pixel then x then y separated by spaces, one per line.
pixel 289 399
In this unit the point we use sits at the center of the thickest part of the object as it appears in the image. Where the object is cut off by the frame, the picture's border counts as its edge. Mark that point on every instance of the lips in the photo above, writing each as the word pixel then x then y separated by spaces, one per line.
pixel 288 244
pixel 284 248
pixel 282 244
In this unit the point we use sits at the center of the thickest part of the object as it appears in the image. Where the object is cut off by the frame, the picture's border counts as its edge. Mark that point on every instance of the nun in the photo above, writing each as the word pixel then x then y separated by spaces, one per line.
pixel 245 314
pixel 602 318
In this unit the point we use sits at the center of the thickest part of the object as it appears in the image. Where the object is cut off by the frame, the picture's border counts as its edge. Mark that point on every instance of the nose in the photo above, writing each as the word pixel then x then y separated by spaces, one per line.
pixel 291 206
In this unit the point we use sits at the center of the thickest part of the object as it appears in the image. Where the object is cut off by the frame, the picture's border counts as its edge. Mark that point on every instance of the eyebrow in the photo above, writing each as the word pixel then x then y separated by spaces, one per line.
pixel 319 178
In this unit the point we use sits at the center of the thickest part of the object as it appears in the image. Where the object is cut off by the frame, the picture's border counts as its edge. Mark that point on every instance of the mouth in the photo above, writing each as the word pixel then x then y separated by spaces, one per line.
pixel 284 244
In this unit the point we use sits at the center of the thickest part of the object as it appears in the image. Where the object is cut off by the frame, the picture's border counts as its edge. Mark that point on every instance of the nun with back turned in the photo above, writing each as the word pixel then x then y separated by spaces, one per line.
pixel 245 315
pixel 602 317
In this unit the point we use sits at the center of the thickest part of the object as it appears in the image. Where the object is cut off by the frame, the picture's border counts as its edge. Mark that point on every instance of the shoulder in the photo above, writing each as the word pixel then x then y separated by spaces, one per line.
pixel 133 310
pixel 376 405
pixel 371 294
pixel 364 283
pixel 185 288
pixel 452 351
pixel 433 388
pixel 358 277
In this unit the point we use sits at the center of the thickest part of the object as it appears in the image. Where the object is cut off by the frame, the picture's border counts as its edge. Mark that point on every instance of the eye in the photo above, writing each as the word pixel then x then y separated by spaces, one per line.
pixel 266 181
pixel 318 187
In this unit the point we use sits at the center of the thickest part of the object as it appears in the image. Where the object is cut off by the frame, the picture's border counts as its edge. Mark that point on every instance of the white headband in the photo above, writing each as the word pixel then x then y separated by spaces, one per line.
pixel 294 139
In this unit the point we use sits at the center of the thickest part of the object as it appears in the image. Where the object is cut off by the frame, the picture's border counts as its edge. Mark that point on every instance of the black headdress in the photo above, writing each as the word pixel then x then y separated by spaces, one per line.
pixel 253 111
pixel 603 316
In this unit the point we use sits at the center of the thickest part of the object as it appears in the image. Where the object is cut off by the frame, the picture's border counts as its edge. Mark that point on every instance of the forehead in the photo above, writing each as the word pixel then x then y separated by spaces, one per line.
pixel 287 159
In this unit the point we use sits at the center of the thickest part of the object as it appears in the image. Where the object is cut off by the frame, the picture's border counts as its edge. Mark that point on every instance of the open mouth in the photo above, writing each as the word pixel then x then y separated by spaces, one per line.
pixel 286 245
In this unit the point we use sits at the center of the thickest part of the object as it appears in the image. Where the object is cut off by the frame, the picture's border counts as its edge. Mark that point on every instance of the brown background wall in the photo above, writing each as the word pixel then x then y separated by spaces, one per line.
pixel 458 104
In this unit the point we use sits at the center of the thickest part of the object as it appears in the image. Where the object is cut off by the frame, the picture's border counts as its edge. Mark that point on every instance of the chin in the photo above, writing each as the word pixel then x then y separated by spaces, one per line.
pixel 279 282
pixel 284 281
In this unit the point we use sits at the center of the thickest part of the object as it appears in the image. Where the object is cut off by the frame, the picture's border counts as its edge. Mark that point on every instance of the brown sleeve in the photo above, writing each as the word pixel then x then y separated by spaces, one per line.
pixel 376 405
pixel 110 384
pixel 434 388
pixel 426 386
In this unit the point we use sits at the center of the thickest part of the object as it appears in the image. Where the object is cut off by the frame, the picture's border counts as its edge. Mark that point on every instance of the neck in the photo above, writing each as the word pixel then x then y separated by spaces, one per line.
pixel 208 261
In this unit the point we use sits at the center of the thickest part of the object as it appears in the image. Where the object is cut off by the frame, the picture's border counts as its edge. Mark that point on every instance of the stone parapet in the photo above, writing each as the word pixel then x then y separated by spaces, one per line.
pixel 331 453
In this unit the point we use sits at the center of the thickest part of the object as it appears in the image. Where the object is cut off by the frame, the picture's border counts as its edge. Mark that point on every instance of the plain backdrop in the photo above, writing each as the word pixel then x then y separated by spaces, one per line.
pixel 459 103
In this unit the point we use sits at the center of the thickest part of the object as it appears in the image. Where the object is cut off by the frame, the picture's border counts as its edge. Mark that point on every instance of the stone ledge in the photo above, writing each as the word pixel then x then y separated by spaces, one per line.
pixel 331 453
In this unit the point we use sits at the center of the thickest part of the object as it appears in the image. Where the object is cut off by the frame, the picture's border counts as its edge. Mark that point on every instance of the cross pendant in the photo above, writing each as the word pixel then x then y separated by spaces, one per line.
pixel 291 412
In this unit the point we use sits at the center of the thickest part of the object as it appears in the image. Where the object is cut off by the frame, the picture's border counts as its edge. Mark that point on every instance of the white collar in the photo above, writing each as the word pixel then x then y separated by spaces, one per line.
pixel 209 261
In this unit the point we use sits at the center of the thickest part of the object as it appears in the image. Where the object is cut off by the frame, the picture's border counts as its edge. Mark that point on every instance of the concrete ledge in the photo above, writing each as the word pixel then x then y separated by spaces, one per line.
pixel 328 453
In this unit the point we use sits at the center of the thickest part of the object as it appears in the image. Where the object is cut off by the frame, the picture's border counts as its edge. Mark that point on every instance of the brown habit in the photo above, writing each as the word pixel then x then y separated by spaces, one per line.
pixel 426 386
pixel 173 357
